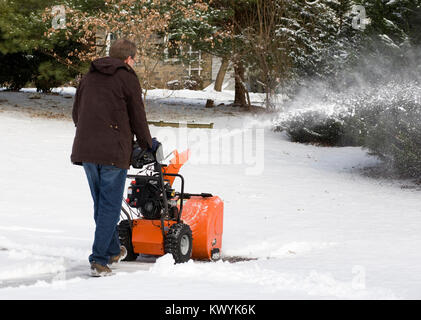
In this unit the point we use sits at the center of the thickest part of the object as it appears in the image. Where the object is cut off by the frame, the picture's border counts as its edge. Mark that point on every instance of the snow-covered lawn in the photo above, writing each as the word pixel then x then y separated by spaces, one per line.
pixel 312 225
pixel 166 105
pixel 185 97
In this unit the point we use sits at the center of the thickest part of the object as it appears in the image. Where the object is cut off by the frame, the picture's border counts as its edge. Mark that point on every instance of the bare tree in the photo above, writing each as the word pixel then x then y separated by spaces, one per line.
pixel 221 74
pixel 267 45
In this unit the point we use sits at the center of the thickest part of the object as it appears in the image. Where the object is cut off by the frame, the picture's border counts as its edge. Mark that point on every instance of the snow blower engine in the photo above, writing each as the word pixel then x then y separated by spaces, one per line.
pixel 157 219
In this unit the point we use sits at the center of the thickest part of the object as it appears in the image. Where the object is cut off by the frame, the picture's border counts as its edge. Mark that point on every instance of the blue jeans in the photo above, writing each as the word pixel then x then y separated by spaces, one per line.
pixel 107 187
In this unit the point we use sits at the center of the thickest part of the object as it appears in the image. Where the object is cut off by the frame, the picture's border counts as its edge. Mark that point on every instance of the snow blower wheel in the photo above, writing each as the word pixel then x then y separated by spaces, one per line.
pixel 125 236
pixel 178 242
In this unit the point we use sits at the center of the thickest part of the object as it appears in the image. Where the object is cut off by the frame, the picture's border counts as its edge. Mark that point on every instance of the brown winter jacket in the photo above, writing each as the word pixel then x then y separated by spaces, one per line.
pixel 108 111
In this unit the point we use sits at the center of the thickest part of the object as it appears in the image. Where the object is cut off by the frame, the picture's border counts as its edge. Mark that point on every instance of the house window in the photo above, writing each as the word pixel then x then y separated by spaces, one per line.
pixel 173 51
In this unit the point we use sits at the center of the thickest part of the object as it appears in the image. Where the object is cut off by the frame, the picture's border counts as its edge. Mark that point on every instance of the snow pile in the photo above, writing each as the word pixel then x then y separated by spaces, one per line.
pixel 258 275
pixel 164 265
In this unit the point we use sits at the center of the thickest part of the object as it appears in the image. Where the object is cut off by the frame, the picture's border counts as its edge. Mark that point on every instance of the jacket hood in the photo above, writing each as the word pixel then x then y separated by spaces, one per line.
pixel 108 65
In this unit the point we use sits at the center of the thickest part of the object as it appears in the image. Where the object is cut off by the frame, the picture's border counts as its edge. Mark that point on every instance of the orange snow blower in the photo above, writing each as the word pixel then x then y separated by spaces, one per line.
pixel 157 219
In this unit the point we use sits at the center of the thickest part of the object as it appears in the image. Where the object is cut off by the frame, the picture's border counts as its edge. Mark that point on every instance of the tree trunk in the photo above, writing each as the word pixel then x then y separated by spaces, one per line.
pixel 240 91
pixel 221 74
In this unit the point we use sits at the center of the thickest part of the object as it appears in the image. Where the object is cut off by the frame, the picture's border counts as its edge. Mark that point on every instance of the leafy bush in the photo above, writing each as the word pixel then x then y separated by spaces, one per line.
pixel 28 55
pixel 16 70
pixel 396 137
pixel 51 75
pixel 20 69
pixel 319 127
pixel 313 127
pixel 386 121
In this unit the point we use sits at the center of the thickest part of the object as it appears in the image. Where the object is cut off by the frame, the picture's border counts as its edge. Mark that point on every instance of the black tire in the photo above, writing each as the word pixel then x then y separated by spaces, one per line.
pixel 125 235
pixel 179 242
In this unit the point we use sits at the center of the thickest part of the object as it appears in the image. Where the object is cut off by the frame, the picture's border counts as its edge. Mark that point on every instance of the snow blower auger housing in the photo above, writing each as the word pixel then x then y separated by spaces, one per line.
pixel 157 219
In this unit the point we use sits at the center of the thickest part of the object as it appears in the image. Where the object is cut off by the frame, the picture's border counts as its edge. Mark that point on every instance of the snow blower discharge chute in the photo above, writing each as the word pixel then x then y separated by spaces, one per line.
pixel 157 219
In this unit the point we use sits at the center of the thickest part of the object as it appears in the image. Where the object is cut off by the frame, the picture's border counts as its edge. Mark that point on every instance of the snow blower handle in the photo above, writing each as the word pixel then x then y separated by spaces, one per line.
pixel 142 157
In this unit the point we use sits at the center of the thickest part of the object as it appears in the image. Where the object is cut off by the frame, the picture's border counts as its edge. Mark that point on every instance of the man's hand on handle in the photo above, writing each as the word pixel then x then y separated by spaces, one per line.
pixel 155 145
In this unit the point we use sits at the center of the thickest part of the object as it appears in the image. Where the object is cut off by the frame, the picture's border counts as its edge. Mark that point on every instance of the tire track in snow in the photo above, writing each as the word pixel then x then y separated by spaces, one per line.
pixel 59 271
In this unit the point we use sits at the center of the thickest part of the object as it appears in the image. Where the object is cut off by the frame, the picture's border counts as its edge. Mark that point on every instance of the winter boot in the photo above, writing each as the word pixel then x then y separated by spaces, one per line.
pixel 98 270
pixel 119 257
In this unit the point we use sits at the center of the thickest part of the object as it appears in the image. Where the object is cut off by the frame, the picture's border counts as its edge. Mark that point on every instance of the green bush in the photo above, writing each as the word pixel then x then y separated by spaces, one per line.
pixel 386 121
pixel 319 127
pixel 20 69
pixel 16 70
pixel 27 55
pixel 313 127
pixel 396 138
pixel 51 75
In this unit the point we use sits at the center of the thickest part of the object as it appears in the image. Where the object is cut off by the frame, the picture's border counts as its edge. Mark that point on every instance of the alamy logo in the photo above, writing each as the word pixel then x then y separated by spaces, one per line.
pixel 360 20
pixel 59 17
pixel 243 147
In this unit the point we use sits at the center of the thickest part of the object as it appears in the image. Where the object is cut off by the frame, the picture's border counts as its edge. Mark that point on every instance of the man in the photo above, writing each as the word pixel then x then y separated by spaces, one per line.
pixel 108 111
